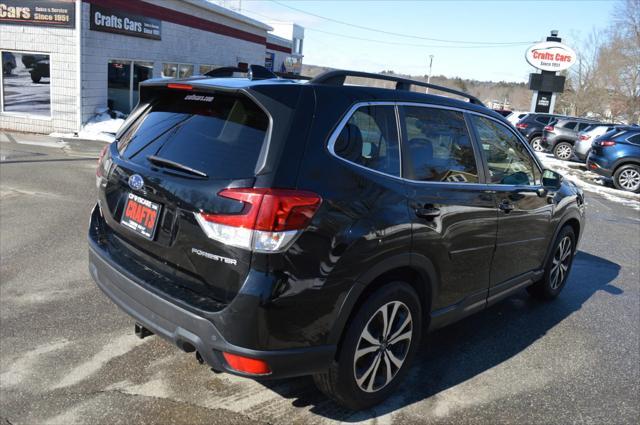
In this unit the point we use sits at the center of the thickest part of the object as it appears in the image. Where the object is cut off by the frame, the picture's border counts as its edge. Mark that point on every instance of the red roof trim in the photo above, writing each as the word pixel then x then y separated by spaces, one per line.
pixel 272 46
pixel 169 15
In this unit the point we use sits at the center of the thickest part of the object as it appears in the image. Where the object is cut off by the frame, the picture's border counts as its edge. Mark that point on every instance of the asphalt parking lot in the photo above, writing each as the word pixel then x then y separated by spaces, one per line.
pixel 68 355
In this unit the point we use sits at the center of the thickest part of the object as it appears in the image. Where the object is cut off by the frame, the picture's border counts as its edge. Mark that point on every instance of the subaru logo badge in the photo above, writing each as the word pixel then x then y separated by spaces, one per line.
pixel 136 182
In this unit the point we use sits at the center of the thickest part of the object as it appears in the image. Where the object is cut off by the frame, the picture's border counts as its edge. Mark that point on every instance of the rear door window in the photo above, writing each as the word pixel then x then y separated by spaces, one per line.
pixel 437 146
pixel 544 120
pixel 215 133
pixel 370 139
pixel 583 126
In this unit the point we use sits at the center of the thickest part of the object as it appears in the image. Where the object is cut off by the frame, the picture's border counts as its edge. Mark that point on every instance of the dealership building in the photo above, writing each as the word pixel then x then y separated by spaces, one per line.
pixel 64 61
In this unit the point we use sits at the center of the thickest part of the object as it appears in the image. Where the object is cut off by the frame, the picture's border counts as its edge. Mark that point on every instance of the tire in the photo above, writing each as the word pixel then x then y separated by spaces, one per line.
pixel 558 266
pixel 356 382
pixel 35 77
pixel 627 178
pixel 536 144
pixel 563 151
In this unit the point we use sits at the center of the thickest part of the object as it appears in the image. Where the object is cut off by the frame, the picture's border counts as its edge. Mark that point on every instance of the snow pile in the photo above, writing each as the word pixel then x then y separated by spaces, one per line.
pixel 589 181
pixel 101 127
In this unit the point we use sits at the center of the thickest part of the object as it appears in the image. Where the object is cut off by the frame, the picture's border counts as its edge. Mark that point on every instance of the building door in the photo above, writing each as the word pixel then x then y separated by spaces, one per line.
pixel 123 79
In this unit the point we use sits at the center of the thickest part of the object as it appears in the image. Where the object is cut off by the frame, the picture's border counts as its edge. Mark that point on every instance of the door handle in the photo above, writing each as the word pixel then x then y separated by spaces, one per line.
pixel 428 213
pixel 506 206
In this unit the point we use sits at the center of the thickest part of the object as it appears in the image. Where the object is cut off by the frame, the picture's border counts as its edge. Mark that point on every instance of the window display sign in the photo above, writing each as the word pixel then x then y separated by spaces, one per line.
pixel 121 22
pixel 48 13
pixel 25 83
pixel 268 61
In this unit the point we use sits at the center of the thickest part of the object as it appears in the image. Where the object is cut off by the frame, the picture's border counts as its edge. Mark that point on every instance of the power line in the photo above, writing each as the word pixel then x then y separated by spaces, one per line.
pixel 379 31
pixel 396 43
pixel 432 46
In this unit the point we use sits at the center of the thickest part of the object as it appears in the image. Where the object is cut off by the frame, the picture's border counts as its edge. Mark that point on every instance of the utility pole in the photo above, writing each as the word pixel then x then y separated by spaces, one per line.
pixel 430 68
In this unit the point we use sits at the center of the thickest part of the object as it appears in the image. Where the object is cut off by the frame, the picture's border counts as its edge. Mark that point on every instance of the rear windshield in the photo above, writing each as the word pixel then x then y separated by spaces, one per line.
pixel 215 133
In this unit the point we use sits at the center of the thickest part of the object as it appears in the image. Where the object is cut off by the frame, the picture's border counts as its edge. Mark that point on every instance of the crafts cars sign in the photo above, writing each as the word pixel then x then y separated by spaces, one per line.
pixel 550 56
pixel 121 22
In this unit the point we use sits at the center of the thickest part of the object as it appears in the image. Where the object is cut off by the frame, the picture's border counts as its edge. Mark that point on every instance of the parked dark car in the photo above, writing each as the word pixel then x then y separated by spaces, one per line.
pixel 29 61
pixel 8 63
pixel 561 134
pixel 280 228
pixel 39 70
pixel 504 112
pixel 616 155
pixel 531 127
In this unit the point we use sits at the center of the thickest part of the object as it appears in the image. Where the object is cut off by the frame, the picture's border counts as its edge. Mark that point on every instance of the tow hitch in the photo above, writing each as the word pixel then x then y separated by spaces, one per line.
pixel 141 332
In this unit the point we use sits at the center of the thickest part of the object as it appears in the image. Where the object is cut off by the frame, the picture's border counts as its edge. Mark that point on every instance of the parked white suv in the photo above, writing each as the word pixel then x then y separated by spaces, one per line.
pixel 515 116
pixel 582 146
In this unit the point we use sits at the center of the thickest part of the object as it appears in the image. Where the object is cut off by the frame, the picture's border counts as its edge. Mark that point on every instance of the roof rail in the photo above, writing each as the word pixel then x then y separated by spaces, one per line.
pixel 338 77
pixel 292 76
pixel 254 72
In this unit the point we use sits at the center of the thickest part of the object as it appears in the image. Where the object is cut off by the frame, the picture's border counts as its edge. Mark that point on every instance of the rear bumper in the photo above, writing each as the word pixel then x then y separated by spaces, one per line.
pixel 595 166
pixel 188 330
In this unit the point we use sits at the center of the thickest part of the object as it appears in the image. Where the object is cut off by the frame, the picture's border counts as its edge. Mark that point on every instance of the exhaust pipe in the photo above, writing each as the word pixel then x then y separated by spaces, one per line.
pixel 141 332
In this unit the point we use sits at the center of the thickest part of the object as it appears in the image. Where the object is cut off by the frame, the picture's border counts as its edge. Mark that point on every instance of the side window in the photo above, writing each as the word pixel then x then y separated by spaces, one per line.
pixel 634 139
pixel 583 126
pixel 437 146
pixel 508 160
pixel 370 139
pixel 544 120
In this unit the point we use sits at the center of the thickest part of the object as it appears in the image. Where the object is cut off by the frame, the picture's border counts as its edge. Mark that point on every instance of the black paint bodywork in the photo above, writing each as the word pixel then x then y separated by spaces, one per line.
pixel 291 308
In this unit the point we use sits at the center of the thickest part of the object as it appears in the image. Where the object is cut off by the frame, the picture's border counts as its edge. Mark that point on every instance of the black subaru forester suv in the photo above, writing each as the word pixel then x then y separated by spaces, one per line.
pixel 281 228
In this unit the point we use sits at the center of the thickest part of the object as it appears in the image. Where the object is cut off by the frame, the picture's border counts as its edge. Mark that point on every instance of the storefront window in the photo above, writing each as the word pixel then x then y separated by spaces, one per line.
pixel 293 64
pixel 169 70
pixel 123 85
pixel 177 70
pixel 26 83
pixel 186 70
pixel 206 68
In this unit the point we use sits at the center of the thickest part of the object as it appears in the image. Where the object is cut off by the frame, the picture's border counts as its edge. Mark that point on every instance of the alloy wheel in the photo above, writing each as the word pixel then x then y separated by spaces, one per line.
pixel 383 346
pixel 563 152
pixel 560 265
pixel 629 179
pixel 536 144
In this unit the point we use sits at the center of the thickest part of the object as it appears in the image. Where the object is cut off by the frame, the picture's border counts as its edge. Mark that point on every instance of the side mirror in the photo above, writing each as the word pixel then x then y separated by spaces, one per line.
pixel 551 179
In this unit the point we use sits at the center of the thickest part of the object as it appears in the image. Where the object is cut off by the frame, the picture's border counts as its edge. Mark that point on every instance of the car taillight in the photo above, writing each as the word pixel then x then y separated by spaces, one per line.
pixel 607 143
pixel 269 221
pixel 584 137
pixel 549 128
pixel 522 125
pixel 180 86
pixel 100 169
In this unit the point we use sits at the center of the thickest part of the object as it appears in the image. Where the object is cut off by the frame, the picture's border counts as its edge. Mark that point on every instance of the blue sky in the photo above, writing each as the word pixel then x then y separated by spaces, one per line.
pixel 476 21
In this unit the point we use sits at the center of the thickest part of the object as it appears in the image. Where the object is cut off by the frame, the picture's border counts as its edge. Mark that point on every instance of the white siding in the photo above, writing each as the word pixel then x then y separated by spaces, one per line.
pixel 60 44
pixel 179 44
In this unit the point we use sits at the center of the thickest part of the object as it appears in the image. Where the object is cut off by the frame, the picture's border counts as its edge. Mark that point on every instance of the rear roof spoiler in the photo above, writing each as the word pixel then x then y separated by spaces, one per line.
pixel 338 77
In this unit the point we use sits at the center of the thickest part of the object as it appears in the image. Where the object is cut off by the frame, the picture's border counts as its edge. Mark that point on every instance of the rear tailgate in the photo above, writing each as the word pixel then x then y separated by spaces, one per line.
pixel 170 163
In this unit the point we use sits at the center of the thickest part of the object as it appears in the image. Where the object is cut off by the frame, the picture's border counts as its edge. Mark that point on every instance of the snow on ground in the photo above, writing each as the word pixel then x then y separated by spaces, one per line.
pixel 589 181
pixel 101 127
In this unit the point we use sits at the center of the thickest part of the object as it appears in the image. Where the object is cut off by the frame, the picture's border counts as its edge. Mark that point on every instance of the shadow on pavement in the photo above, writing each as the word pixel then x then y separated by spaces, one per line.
pixel 465 349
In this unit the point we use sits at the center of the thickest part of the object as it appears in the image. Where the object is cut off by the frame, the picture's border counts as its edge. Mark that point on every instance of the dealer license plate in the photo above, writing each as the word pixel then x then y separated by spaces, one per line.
pixel 141 215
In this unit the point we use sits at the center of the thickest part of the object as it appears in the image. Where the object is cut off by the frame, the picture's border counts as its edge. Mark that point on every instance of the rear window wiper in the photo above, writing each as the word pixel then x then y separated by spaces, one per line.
pixel 175 165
